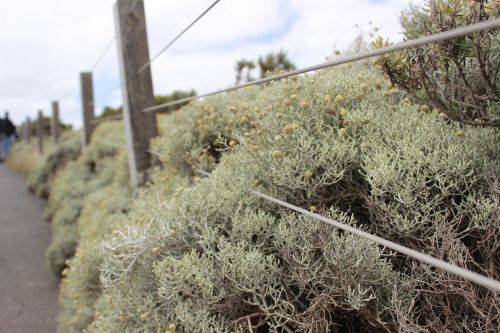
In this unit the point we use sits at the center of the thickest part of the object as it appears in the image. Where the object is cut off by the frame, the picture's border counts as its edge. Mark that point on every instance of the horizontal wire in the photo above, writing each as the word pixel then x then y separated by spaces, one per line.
pixel 100 120
pixel 96 63
pixel 437 37
pixel 103 53
pixel 108 92
pixel 69 93
pixel 146 65
pixel 466 274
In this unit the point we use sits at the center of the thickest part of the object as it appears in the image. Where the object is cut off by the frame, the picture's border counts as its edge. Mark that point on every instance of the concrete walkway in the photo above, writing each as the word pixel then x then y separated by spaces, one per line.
pixel 28 292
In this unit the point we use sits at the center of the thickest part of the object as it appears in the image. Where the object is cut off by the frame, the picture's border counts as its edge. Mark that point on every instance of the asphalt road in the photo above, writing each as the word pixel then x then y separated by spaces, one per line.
pixel 28 292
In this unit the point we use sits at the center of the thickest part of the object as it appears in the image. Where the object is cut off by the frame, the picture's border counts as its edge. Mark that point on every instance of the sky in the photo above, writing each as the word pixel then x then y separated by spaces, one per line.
pixel 45 44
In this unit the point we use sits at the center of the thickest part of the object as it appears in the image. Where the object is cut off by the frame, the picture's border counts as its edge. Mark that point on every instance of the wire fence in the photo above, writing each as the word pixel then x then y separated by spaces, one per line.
pixel 434 38
pixel 166 47
pixel 466 274
pixel 438 37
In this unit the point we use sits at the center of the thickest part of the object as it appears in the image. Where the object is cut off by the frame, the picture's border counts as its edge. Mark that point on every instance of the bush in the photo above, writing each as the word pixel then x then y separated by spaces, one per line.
pixel 46 169
pixel 458 77
pixel 100 164
pixel 23 157
pixel 213 258
pixel 192 254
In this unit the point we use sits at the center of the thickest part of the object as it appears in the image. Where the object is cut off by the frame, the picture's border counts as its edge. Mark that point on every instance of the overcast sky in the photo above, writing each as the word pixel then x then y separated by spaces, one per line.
pixel 46 43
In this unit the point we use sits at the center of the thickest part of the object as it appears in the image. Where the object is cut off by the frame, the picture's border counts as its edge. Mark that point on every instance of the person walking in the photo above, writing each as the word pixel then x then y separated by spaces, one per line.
pixel 8 131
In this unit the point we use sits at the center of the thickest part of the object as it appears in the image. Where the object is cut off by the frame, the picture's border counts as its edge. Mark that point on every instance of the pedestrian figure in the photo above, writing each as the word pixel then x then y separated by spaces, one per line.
pixel 7 133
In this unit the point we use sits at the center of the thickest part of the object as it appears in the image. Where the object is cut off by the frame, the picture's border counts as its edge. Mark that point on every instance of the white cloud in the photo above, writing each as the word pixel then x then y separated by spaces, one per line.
pixel 45 44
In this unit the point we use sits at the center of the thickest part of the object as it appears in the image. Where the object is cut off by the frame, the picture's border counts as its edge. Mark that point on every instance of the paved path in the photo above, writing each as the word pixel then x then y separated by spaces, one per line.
pixel 28 292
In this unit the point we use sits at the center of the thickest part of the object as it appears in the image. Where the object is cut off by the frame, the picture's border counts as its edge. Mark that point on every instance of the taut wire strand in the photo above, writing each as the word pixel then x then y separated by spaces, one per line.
pixel 437 37
pixel 466 274
pixel 103 53
pixel 166 47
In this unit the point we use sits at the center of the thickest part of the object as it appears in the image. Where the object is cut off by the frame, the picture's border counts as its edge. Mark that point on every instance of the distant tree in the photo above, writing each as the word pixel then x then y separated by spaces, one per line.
pixel 159 99
pixel 240 67
pixel 272 63
pixel 174 96
pixel 109 111
pixel 46 125
pixel 460 77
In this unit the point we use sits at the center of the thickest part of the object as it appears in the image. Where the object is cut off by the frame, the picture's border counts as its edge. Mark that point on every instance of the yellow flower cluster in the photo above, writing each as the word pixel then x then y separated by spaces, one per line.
pixel 290 128
pixel 277 154
pixel 308 174
pixel 171 328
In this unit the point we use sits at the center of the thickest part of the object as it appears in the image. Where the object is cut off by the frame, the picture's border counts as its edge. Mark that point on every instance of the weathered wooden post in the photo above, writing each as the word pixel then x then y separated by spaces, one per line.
pixel 54 124
pixel 39 131
pixel 28 130
pixel 137 87
pixel 87 90
pixel 21 130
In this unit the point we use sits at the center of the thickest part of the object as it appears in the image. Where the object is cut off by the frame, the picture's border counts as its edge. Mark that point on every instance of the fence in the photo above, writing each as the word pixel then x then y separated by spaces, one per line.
pixel 140 119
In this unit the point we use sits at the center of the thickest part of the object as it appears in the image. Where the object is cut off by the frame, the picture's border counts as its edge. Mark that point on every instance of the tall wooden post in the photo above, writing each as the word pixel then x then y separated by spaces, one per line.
pixel 28 130
pixel 137 88
pixel 54 124
pixel 21 130
pixel 39 131
pixel 87 89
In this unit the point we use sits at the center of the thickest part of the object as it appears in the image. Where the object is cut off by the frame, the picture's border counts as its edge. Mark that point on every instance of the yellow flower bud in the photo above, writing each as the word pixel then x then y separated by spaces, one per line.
pixel 277 154
pixel 304 104
pixel 171 326
pixel 293 97
pixel 364 87
pixel 232 143
pixel 172 232
pixel 289 128
pixel 339 99
pixel 342 131
pixel 344 112
pixel 155 250
pixel 308 174
pixel 460 134
pixel 424 108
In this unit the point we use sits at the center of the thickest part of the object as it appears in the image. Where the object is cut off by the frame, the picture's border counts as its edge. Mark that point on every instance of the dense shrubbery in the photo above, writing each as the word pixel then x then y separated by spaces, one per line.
pixel 188 254
pixel 458 76
pixel 191 254
pixel 99 165
pixel 41 176
pixel 23 157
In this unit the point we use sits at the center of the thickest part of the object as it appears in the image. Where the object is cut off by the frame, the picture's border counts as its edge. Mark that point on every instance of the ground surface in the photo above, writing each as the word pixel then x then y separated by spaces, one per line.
pixel 28 293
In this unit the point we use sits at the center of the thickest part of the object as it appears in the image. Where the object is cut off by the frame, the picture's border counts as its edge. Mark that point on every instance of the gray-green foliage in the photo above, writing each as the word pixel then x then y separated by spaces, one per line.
pixel 212 257
pixel 193 254
pixel 99 165
pixel 46 169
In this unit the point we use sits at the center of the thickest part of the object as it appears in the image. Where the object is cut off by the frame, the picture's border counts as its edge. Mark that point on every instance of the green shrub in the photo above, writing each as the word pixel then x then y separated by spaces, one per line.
pixel 214 258
pixel 459 76
pixel 100 164
pixel 192 254
pixel 46 169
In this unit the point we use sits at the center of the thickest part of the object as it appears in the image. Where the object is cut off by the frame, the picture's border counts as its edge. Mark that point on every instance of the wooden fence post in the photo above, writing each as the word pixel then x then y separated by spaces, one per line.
pixel 137 87
pixel 54 124
pixel 28 130
pixel 87 89
pixel 39 131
